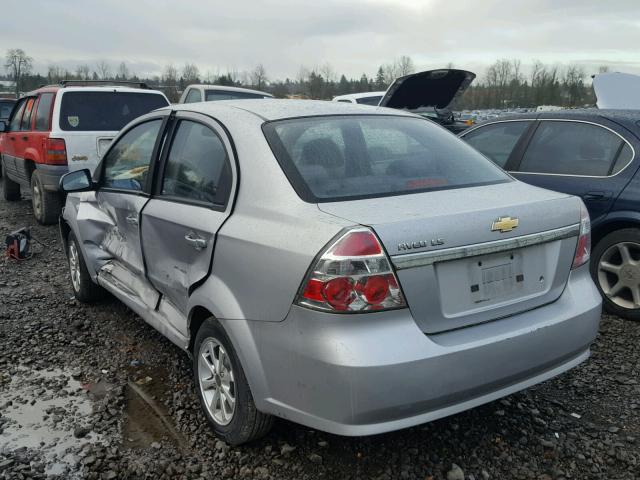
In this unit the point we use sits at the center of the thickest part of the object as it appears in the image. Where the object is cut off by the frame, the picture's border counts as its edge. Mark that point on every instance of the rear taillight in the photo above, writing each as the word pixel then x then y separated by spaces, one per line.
pixel 352 275
pixel 583 249
pixel 56 151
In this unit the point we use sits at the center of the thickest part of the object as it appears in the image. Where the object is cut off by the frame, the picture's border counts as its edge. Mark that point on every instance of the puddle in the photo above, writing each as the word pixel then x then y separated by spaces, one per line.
pixel 39 410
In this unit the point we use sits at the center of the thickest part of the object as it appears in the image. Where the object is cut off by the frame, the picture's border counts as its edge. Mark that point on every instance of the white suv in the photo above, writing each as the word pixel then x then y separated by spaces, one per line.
pixel 209 93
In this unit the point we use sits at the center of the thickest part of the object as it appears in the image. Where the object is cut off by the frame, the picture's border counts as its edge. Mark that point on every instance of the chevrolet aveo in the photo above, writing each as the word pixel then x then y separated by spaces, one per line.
pixel 352 269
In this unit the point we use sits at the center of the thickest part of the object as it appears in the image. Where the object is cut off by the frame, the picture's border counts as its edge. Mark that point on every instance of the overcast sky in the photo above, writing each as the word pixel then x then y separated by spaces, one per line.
pixel 354 37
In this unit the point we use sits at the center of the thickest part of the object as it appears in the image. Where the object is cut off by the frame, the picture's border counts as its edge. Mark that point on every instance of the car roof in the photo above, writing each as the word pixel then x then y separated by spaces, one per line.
pixel 226 89
pixel 627 118
pixel 354 96
pixel 277 109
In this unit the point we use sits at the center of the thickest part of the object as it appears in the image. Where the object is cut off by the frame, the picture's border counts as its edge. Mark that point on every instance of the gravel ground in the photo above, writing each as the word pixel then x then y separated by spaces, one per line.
pixel 93 392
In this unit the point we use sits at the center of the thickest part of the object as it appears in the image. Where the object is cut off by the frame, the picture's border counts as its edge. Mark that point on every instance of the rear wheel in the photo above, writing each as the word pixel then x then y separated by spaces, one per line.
pixel 223 389
pixel 83 287
pixel 615 267
pixel 10 189
pixel 46 205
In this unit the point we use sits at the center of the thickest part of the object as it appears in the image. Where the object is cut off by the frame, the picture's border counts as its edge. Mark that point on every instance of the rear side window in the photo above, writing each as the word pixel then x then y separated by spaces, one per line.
pixel 375 100
pixel 26 116
pixel 197 167
pixel 126 165
pixel 571 148
pixel 346 157
pixel 105 111
pixel 497 141
pixel 17 116
pixel 194 95
pixel 212 95
pixel 43 114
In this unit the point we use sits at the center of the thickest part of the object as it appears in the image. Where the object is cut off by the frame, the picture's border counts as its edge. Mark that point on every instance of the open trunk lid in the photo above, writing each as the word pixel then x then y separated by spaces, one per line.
pixel 617 90
pixel 455 265
pixel 430 89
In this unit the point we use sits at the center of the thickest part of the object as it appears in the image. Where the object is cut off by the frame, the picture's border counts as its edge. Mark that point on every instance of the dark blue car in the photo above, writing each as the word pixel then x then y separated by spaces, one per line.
pixel 592 154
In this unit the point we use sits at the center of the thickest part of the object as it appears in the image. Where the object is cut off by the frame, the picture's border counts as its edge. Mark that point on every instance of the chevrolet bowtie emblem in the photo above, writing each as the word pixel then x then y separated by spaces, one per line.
pixel 504 224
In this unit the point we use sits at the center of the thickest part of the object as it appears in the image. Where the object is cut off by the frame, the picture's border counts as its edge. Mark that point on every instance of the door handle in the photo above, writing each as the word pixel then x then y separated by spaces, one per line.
pixel 195 241
pixel 597 196
pixel 132 219
pixel 25 138
pixel 13 139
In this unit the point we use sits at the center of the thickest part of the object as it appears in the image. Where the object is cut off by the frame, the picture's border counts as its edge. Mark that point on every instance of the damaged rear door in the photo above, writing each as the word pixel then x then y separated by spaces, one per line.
pixel 190 203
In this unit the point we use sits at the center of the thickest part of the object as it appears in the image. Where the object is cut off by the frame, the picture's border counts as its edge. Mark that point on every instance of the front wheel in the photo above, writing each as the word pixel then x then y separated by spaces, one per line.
pixel 83 287
pixel 223 389
pixel 615 267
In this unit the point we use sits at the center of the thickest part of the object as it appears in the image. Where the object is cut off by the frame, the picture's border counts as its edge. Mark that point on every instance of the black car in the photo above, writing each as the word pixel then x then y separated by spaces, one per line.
pixel 6 105
pixel 591 154
pixel 430 94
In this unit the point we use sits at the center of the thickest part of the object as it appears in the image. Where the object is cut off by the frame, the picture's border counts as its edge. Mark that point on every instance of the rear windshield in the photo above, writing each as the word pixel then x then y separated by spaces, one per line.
pixel 369 100
pixel 5 109
pixel 105 111
pixel 211 95
pixel 347 157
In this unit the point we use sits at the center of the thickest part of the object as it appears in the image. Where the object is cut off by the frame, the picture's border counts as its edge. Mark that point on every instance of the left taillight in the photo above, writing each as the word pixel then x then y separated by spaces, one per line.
pixel 56 151
pixel 353 274
pixel 583 249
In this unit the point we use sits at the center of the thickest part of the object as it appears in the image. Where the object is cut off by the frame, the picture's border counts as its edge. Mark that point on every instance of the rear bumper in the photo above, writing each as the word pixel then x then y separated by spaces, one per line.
pixel 50 176
pixel 372 373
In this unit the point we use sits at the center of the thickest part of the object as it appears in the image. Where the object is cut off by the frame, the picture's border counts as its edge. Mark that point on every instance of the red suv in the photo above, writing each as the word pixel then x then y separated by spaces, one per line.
pixel 61 128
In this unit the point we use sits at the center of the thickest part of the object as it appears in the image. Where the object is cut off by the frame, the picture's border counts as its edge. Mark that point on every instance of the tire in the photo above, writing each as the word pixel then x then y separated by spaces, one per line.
pixel 10 189
pixel 244 423
pixel 615 268
pixel 83 287
pixel 47 206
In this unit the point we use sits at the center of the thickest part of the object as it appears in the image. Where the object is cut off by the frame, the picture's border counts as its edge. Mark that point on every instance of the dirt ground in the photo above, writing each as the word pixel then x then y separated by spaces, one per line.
pixel 91 391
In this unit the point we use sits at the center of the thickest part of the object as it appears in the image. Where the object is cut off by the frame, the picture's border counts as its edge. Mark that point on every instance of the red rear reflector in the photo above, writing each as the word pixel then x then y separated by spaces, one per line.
pixel 357 244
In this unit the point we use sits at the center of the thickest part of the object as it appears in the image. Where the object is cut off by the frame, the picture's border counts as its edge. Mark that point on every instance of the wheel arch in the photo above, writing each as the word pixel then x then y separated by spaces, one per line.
pixel 619 221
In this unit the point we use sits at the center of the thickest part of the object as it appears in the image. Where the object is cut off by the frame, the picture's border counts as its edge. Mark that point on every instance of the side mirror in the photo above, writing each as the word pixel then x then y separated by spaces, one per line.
pixel 3 126
pixel 78 181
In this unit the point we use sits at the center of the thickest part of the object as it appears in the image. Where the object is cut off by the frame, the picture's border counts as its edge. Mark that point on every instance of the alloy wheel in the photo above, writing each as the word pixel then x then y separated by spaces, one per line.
pixel 37 199
pixel 217 382
pixel 619 274
pixel 74 266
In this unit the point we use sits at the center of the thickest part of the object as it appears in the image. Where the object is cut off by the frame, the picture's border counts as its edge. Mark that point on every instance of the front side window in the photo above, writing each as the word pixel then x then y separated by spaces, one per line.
pixel 14 124
pixel 571 148
pixel 126 165
pixel 213 95
pixel 193 96
pixel 5 109
pixel 346 157
pixel 197 166
pixel 105 111
pixel 26 116
pixel 43 113
pixel 496 141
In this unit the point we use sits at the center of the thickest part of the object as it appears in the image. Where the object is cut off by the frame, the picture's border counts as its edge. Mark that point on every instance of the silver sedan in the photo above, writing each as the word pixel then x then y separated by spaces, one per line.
pixel 356 270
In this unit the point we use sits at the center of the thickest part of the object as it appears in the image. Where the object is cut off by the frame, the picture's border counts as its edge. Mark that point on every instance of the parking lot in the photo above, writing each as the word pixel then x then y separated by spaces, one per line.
pixel 94 392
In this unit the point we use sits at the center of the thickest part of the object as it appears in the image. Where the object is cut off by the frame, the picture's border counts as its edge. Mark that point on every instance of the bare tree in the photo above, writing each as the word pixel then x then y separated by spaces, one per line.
pixel 405 66
pixel 123 71
pixel 259 77
pixel 190 73
pixel 104 70
pixel 83 72
pixel 170 82
pixel 19 64
pixel 55 74
pixel 603 69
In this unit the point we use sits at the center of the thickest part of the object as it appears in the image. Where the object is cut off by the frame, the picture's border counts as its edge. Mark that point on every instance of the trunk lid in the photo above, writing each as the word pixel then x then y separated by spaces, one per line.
pixel 456 271
pixel 84 149
pixel 430 89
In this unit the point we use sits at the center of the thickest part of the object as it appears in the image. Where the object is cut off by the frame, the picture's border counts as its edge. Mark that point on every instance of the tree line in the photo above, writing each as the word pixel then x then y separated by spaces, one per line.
pixel 504 84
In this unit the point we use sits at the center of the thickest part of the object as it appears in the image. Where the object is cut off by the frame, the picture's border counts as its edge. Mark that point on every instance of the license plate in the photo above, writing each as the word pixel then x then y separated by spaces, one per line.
pixel 496 276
